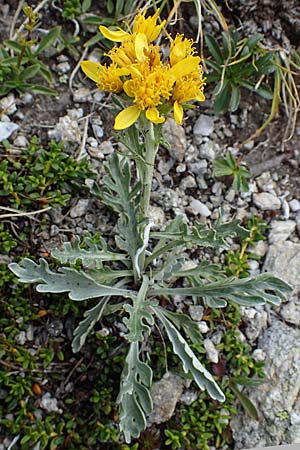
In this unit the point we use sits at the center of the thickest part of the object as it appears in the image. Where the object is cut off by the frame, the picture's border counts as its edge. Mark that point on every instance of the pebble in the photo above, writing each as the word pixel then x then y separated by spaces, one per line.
pixel 199 167
pixel 27 98
pixel 260 248
pixel 290 311
pixel 266 201
pixel 281 230
pixel 196 312
pixel 196 207
pixel 229 197
pixel 175 136
pixel 8 104
pixel 258 355
pixel 7 129
pixel 21 338
pixel 253 267
pixel 63 67
pixel 211 351
pixel 49 403
pixel 82 95
pixel 188 182
pixel 204 125
pixel 208 150
pixel 80 208
pixel 157 215
pixel 20 141
pixel 294 205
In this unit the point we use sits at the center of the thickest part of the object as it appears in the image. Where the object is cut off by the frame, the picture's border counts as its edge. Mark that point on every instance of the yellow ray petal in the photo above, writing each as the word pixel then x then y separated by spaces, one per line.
pixel 184 67
pixel 92 69
pixel 200 97
pixel 178 112
pixel 140 44
pixel 127 117
pixel 152 114
pixel 128 87
pixel 114 35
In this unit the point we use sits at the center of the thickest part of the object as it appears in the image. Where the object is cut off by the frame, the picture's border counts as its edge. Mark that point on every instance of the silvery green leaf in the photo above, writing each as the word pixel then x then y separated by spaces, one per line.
pixel 106 275
pixel 244 291
pixel 134 397
pixel 204 235
pixel 170 267
pixel 204 270
pixel 140 315
pixel 79 285
pixel 183 321
pixel 92 256
pixel 120 195
pixel 190 362
pixel 85 326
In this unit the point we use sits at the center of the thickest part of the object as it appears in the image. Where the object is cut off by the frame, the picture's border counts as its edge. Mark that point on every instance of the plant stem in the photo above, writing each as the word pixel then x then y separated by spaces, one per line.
pixel 151 148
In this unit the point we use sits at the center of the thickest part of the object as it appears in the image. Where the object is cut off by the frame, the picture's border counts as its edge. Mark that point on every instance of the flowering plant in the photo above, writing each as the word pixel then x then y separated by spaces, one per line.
pixel 144 268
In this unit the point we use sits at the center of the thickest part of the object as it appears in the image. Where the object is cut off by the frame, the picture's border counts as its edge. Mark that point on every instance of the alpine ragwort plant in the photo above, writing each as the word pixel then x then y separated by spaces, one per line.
pixel 145 267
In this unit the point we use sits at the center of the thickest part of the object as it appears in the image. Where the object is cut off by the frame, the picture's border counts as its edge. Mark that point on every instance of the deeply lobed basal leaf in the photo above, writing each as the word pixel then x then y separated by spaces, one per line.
pixel 134 397
pixel 79 285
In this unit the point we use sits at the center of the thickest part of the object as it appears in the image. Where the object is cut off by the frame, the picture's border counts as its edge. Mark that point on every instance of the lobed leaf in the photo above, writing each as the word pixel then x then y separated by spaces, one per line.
pixel 140 315
pixel 190 362
pixel 79 285
pixel 134 397
pixel 85 326
pixel 91 257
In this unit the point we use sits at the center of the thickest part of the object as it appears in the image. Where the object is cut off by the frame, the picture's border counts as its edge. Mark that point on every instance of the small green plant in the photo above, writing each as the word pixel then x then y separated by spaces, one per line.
pixel 17 71
pixel 40 176
pixel 237 263
pixel 73 8
pixel 138 274
pixel 230 167
pixel 238 64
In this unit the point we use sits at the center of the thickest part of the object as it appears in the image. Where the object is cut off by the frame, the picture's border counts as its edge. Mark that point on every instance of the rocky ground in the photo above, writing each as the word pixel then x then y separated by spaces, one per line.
pixel 184 184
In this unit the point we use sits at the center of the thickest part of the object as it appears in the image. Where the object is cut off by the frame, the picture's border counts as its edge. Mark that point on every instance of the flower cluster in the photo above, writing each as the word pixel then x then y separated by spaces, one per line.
pixel 137 69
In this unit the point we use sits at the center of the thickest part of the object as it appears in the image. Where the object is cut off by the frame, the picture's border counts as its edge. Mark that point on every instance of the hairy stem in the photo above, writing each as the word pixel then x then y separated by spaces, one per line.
pixel 151 148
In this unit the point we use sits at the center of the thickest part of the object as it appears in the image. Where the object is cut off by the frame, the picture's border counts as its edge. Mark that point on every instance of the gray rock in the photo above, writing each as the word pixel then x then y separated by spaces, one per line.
pixel 20 141
pixel 67 128
pixel 196 207
pixel 203 327
pixel 157 215
pixel 290 311
pixel 8 104
pixel 165 394
pixel 277 400
pixel 188 182
pixel 7 129
pixel 211 351
pixel 196 312
pixel 260 248
pixel 204 125
pixel 266 201
pixel 175 135
pixel 208 150
pixel 21 338
pixel 80 208
pixel 294 205
pixel 49 404
pixel 283 260
pixel 199 167
pixel 256 321
pixel 82 95
pixel 281 230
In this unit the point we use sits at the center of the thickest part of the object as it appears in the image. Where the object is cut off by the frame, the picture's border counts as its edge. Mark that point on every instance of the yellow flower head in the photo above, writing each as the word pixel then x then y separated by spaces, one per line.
pixel 138 70
pixel 148 26
pixel 180 49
